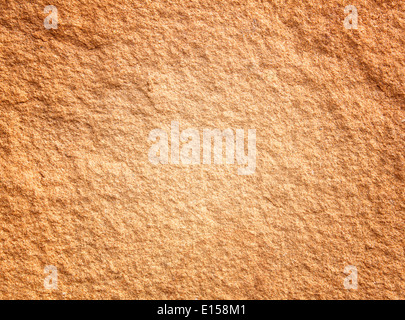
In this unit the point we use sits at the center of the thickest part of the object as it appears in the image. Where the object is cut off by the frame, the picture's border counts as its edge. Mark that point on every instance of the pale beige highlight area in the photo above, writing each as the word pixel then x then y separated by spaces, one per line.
pixel 77 190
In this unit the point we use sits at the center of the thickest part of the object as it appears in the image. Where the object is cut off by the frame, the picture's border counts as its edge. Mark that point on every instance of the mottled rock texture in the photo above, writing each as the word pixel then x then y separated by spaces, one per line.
pixel 77 190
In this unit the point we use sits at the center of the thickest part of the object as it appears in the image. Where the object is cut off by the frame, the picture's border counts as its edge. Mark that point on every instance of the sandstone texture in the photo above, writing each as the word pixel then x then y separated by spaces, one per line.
pixel 77 190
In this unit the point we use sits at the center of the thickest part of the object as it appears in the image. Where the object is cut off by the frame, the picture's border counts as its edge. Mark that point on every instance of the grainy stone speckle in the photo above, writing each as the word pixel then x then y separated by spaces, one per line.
pixel 77 190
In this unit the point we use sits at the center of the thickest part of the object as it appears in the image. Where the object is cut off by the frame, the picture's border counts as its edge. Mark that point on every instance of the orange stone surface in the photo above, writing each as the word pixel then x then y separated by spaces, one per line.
pixel 78 192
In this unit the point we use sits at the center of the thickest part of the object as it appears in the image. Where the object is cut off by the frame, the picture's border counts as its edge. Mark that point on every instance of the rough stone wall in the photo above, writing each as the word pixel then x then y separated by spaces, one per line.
pixel 78 191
